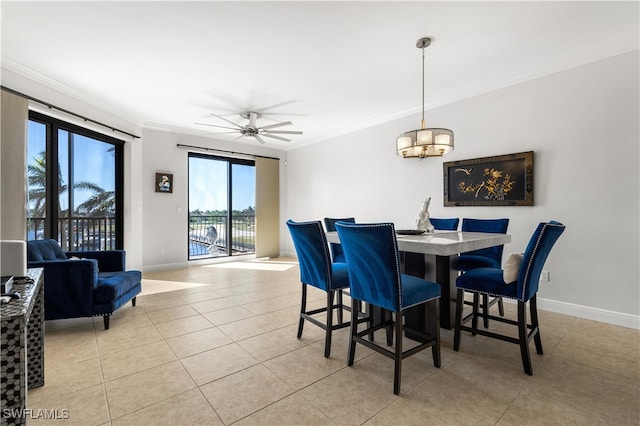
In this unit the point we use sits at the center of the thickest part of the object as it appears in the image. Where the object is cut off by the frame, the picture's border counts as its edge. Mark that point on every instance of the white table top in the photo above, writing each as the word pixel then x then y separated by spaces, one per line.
pixel 443 243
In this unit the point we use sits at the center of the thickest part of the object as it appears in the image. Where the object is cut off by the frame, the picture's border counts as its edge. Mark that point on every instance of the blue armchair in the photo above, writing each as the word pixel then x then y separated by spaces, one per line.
pixel 83 283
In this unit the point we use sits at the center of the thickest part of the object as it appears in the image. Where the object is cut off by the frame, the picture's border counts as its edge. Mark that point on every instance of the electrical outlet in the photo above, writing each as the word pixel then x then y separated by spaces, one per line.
pixel 544 276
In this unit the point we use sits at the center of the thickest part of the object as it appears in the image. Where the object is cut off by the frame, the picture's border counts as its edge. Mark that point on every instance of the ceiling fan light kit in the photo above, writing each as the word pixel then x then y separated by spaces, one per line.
pixel 424 142
pixel 252 130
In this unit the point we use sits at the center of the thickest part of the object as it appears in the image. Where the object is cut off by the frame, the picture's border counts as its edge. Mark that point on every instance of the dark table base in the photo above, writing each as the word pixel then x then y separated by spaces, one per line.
pixel 440 270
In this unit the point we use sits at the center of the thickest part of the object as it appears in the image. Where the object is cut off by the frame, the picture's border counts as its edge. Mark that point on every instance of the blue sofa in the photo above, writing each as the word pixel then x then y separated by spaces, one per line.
pixel 83 283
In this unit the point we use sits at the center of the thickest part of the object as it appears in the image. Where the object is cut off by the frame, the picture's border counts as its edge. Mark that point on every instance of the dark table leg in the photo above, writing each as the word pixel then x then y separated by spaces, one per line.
pixel 437 269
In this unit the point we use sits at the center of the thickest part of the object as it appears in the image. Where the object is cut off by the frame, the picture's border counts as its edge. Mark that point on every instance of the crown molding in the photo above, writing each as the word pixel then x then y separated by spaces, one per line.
pixel 55 85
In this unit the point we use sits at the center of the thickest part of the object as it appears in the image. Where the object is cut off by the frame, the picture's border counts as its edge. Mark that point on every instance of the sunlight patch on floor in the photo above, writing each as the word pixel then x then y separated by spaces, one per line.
pixel 162 286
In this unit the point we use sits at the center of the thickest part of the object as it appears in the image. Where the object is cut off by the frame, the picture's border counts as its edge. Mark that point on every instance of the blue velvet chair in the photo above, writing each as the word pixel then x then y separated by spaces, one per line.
pixel 317 270
pixel 445 224
pixel 483 281
pixel 336 249
pixel 490 257
pixel 371 252
pixel 83 283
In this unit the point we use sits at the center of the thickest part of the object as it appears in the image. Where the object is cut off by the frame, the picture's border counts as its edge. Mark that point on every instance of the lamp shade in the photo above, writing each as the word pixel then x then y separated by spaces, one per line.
pixel 423 143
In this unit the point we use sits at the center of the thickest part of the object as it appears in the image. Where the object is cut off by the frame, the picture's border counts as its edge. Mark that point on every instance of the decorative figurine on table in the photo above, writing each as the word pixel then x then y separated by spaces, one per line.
pixel 423 223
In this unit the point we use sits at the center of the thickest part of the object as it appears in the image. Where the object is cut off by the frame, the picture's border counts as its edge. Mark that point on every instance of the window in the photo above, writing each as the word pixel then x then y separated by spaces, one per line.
pixel 75 185
pixel 221 206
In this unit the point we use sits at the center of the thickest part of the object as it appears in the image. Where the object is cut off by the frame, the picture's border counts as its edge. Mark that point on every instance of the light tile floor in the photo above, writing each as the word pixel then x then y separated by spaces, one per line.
pixel 217 344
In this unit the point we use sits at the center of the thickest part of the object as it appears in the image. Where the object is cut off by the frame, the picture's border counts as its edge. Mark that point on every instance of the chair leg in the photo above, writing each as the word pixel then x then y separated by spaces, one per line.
pixel 369 311
pixel 533 307
pixel 397 374
pixel 522 337
pixel 485 310
pixel 303 309
pixel 352 332
pixel 105 320
pixel 433 309
pixel 474 318
pixel 329 328
pixel 486 303
pixel 133 302
pixel 459 312
pixel 340 307
pixel 386 316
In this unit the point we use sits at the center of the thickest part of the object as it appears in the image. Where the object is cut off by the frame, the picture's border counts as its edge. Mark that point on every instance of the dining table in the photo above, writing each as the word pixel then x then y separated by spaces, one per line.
pixel 433 257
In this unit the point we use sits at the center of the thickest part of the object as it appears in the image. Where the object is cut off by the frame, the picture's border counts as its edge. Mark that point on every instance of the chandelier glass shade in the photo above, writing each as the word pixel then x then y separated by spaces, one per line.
pixel 424 142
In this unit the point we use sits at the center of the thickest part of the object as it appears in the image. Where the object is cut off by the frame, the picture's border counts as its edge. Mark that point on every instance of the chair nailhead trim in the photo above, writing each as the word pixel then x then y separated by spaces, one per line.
pixel 534 253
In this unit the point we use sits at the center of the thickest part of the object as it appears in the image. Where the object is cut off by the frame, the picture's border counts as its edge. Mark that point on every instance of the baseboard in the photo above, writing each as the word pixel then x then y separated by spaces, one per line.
pixel 587 312
pixel 165 267
pixel 207 261
pixel 287 253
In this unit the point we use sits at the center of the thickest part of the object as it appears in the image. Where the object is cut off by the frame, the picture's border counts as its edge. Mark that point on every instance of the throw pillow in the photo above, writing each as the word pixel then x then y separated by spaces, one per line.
pixel 512 268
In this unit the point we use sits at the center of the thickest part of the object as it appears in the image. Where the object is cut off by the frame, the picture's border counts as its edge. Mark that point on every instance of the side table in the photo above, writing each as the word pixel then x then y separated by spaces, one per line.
pixel 22 349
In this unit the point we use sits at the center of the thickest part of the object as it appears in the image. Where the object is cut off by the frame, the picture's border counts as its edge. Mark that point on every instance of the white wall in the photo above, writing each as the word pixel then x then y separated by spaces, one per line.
pixel 582 125
pixel 164 216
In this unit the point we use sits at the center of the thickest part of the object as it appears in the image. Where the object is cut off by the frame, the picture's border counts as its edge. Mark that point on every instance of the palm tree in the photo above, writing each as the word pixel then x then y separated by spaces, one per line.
pixel 37 179
pixel 101 203
pixel 37 203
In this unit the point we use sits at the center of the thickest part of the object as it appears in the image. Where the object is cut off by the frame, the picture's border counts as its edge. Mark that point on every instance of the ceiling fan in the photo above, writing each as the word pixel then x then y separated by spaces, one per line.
pixel 251 129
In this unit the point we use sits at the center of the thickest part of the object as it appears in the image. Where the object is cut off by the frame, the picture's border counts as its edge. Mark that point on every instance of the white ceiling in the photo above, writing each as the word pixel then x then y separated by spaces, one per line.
pixel 329 67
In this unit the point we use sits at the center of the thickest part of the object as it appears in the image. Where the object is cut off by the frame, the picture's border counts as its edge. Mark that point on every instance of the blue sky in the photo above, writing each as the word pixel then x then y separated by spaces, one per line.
pixel 208 185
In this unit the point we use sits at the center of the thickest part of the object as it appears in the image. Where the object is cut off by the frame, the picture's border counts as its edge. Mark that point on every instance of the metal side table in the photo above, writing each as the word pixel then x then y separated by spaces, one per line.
pixel 22 350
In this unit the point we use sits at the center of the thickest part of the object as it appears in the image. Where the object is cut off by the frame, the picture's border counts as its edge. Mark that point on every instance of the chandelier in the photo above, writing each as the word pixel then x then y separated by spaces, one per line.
pixel 424 142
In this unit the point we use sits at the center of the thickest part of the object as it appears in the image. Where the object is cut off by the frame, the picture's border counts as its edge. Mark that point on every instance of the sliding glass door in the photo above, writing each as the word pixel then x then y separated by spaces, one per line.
pixel 221 206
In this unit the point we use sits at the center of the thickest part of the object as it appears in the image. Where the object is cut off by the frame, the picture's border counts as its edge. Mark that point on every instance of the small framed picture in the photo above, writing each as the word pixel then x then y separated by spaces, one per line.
pixel 164 182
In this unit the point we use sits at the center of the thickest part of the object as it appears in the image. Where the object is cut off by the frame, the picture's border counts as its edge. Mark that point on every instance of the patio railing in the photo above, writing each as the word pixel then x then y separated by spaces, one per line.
pixel 208 235
pixel 78 233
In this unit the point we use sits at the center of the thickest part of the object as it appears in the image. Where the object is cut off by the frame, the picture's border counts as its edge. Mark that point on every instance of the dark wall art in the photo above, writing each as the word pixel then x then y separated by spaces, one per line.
pixel 503 180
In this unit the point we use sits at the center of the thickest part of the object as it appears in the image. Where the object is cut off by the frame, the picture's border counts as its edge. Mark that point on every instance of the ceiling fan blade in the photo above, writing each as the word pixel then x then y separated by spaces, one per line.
pixel 285 132
pixel 222 133
pixel 275 137
pixel 272 126
pixel 237 138
pixel 259 139
pixel 228 121
pixel 214 125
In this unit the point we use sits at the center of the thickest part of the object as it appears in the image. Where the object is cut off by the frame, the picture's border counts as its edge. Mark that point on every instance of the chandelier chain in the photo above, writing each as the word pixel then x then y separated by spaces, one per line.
pixel 423 86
